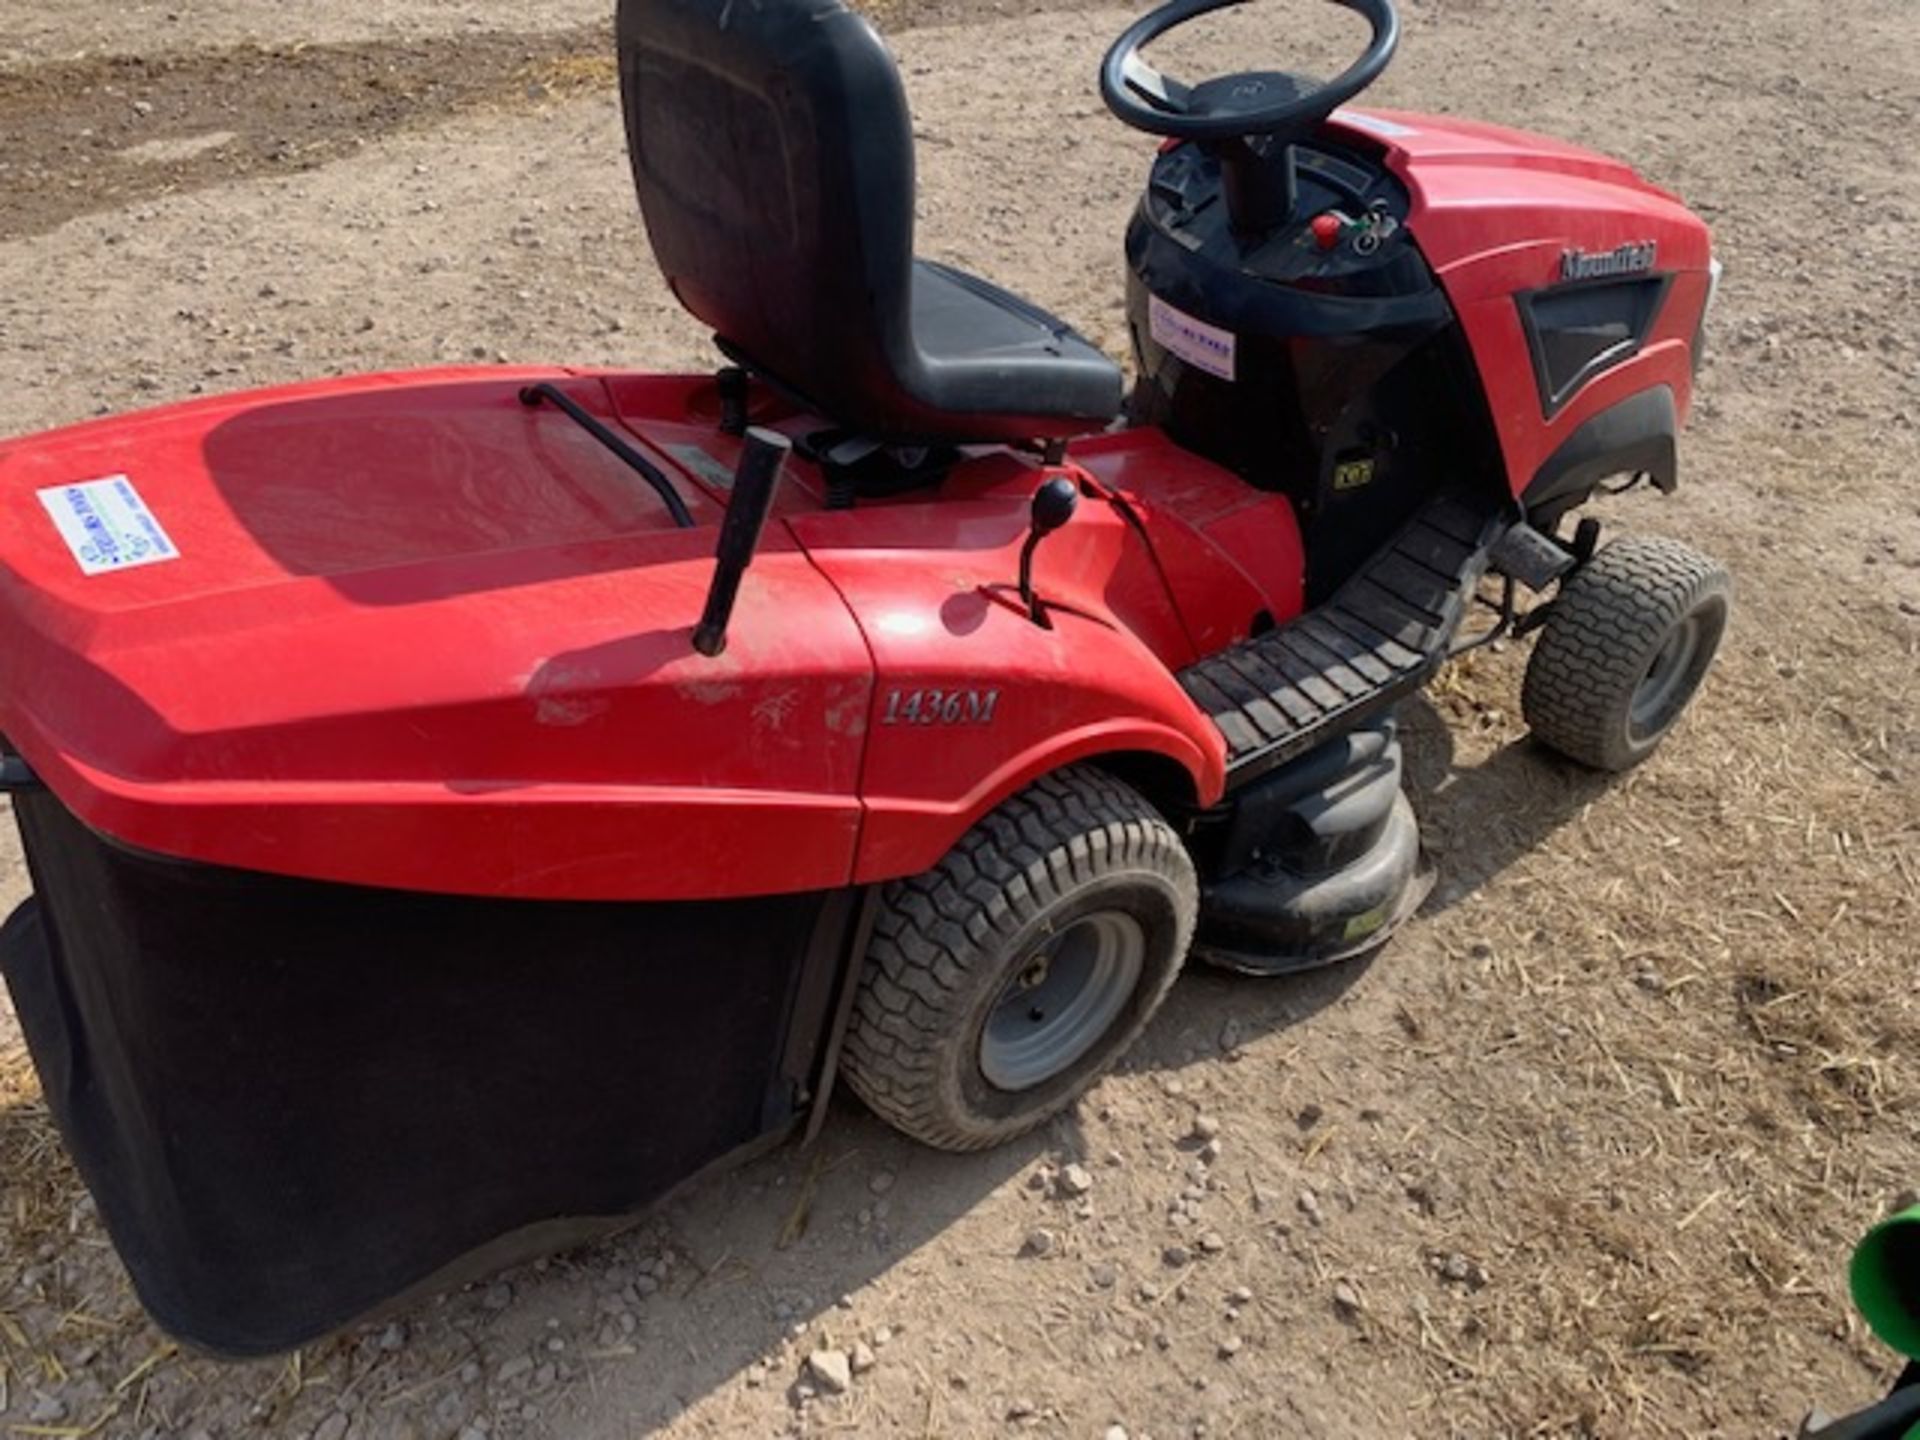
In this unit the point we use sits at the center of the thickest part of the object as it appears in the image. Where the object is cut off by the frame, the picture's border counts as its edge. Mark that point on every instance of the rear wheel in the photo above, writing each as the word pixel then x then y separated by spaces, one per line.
pixel 1006 980
pixel 1629 641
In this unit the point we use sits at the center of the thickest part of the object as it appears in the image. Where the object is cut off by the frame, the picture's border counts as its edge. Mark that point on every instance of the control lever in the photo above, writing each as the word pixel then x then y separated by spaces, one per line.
pixel 1053 506
pixel 755 479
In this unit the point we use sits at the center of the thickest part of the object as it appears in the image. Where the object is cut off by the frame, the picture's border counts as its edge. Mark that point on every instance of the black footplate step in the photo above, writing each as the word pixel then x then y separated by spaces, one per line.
pixel 1535 560
pixel 1381 637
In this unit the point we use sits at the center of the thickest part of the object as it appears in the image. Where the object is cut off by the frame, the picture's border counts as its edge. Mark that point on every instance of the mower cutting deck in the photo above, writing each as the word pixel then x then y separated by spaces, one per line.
pixel 463 806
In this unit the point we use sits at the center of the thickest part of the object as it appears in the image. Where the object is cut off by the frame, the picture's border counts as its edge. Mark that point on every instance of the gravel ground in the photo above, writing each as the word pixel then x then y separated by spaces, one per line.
pixel 1582 1153
pixel 32 31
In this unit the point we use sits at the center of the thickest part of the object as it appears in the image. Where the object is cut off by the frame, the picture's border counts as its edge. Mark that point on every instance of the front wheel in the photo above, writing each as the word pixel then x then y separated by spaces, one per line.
pixel 1624 650
pixel 1007 979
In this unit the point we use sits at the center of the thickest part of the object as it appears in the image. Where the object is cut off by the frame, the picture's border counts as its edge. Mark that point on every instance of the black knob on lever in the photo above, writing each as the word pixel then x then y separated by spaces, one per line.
pixel 1053 506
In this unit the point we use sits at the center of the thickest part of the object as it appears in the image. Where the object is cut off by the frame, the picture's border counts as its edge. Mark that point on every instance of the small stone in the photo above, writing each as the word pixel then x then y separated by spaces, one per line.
pixel 1457 1268
pixel 1105 1276
pixel 555 1344
pixel 1176 1255
pixel 830 1371
pixel 393 1338
pixel 1651 980
pixel 861 1359
pixel 1231 1347
pixel 334 1427
pixel 1020 1410
pixel 756 1375
pixel 1210 1152
pixel 1213 1242
pixel 1309 1204
pixel 1075 1180
pixel 471 1372
pixel 143 108
pixel 1116 1432
pixel 498 1297
pixel 1148 1291
pixel 545 1376
pixel 882 1337
pixel 1205 1127
pixel 513 1368
pixel 47 1410
pixel 1309 1117
pixel 881 1183
pixel 1346 1300
pixel 1240 1295
pixel 1040 1244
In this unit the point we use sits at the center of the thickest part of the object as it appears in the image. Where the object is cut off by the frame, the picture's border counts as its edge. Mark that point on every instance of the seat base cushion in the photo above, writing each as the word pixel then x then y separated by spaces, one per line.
pixel 987 352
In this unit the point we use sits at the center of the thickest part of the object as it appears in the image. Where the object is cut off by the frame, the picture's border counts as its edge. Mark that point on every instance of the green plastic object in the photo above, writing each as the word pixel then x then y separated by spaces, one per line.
pixel 1886 1281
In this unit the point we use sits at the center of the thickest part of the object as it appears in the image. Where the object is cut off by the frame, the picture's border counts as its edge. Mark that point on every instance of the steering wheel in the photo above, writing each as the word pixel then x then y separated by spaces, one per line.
pixel 1233 107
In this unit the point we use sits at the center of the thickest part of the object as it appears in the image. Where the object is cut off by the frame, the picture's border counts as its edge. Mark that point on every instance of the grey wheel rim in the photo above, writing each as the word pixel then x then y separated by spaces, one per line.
pixel 1062 999
pixel 1661 694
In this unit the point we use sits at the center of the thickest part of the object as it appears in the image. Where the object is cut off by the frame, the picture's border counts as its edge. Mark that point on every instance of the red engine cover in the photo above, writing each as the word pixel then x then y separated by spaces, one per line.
pixel 1494 212
pixel 415 634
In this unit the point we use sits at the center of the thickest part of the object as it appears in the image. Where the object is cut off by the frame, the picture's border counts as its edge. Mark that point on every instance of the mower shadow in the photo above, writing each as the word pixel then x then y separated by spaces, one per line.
pixel 767 1262
pixel 745 1290
pixel 762 1255
pixel 1213 1012
pixel 1477 820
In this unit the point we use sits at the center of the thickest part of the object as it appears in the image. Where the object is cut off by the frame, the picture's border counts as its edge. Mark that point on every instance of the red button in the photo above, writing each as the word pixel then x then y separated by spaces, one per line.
pixel 1326 230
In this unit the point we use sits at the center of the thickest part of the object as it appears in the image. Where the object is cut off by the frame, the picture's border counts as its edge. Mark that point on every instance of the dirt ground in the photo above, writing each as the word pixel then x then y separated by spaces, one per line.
pixel 1583 1153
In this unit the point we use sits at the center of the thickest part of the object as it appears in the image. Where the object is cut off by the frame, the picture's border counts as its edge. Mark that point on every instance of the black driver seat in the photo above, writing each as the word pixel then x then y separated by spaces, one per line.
pixel 773 153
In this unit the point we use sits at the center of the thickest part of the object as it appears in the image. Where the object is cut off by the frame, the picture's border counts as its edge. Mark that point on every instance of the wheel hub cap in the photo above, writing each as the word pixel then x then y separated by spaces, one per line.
pixel 1062 1000
pixel 1666 680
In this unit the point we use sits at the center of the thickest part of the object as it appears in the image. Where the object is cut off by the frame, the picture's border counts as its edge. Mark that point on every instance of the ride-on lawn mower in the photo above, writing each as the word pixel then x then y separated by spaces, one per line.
pixel 464 805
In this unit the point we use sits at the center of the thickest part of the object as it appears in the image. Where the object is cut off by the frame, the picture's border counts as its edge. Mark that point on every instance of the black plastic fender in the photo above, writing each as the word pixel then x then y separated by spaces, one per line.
pixel 1639 435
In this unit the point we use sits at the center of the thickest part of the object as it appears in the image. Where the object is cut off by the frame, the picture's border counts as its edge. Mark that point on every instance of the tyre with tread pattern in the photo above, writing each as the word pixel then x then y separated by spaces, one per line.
pixel 1625 649
pixel 1002 983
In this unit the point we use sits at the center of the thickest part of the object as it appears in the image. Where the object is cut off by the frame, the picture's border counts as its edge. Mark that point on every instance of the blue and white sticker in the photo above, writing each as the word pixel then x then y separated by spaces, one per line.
pixel 107 525
pixel 1203 346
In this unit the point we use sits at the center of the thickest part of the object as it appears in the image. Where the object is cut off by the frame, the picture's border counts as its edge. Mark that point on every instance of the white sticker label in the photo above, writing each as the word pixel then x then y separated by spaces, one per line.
pixel 1374 124
pixel 1203 346
pixel 107 525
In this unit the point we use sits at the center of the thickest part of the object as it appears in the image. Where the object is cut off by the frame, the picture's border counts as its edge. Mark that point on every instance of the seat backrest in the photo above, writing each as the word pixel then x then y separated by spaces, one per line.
pixel 773 152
